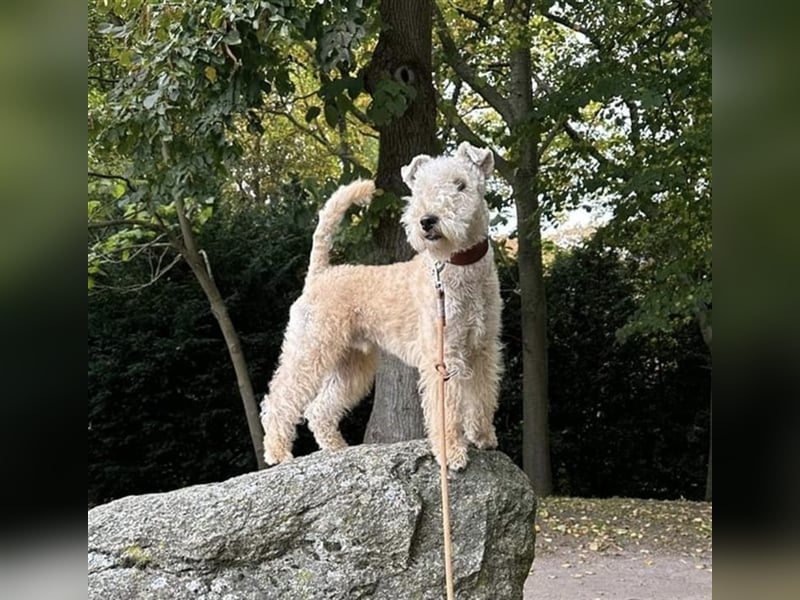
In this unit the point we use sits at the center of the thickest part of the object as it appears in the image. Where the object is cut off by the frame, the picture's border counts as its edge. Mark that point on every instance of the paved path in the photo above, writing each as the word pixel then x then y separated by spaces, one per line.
pixel 627 577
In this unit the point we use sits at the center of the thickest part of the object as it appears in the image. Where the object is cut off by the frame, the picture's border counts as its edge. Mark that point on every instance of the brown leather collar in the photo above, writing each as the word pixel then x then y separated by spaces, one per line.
pixel 470 255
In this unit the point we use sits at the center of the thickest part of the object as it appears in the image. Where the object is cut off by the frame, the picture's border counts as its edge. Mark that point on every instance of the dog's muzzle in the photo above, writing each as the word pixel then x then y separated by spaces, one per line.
pixel 428 224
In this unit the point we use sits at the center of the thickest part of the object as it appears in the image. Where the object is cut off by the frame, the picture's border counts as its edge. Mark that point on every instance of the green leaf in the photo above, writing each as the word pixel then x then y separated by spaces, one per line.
pixel 205 214
pixel 312 113
pixel 118 190
pixel 378 115
pixel 331 114
pixel 355 85
pixel 215 20
pixel 93 206
pixel 125 58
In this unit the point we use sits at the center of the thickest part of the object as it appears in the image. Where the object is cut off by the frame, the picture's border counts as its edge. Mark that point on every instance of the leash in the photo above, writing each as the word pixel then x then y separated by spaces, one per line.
pixel 441 368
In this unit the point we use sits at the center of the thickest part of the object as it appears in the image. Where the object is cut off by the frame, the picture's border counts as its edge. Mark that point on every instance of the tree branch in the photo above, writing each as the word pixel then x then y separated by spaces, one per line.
pixel 116 177
pixel 370 133
pixel 496 100
pixel 562 120
pixel 318 137
pixel 155 275
pixel 565 22
pixel 189 246
pixel 100 79
pixel 633 114
pixel 576 137
pixel 127 222
pixel 357 113
pixel 136 250
pixel 474 17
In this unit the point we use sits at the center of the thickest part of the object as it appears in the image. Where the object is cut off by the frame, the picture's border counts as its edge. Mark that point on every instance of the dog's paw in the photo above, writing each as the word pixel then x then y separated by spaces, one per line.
pixel 333 445
pixel 277 456
pixel 484 440
pixel 457 458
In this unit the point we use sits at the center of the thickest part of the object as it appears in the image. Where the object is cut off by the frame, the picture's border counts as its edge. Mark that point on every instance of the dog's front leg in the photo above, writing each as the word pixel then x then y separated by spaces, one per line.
pixel 479 398
pixel 452 431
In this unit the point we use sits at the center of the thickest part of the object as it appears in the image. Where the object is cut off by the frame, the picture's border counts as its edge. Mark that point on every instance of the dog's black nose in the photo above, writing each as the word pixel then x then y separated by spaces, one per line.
pixel 428 221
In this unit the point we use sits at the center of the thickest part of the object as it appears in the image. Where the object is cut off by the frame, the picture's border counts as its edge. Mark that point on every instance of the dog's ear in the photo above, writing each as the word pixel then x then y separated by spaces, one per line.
pixel 409 172
pixel 482 157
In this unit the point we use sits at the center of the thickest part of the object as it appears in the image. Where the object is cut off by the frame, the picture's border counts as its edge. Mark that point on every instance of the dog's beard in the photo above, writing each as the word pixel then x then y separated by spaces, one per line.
pixel 429 241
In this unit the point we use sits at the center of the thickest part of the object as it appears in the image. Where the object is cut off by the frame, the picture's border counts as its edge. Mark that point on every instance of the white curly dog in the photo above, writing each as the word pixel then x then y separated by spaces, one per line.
pixel 346 312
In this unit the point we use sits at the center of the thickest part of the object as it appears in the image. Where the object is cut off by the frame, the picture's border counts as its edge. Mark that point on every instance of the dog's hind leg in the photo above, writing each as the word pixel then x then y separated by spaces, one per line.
pixel 309 354
pixel 342 390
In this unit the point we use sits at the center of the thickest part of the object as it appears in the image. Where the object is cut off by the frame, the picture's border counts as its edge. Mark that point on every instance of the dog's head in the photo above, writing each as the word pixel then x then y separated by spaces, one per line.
pixel 446 212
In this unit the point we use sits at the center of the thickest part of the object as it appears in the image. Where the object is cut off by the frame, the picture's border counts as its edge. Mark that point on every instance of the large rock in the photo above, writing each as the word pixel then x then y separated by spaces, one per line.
pixel 364 522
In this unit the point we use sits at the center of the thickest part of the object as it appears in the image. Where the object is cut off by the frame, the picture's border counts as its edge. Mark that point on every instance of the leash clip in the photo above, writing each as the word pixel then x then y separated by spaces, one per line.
pixel 437 269
pixel 438 266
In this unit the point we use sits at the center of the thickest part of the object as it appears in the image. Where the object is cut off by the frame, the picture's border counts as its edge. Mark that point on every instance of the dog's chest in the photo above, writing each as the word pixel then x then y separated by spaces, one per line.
pixel 466 305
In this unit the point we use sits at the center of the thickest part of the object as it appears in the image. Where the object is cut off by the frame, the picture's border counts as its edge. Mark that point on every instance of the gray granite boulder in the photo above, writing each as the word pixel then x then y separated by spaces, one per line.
pixel 364 522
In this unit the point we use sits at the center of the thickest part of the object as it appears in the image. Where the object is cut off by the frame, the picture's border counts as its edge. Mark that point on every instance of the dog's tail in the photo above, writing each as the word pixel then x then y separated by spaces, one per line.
pixel 357 192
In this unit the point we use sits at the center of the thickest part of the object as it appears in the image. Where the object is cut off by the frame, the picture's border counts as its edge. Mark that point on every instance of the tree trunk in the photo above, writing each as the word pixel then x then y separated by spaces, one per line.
pixel 526 132
pixel 403 53
pixel 220 311
pixel 535 401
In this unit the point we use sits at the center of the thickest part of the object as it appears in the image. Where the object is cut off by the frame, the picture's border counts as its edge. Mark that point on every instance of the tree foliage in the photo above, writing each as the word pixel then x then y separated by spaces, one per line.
pixel 636 92
pixel 645 397
pixel 185 76
pixel 628 417
pixel 181 97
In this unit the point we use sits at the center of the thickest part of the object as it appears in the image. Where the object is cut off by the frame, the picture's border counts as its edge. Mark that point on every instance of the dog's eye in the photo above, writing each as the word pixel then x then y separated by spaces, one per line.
pixel 460 184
